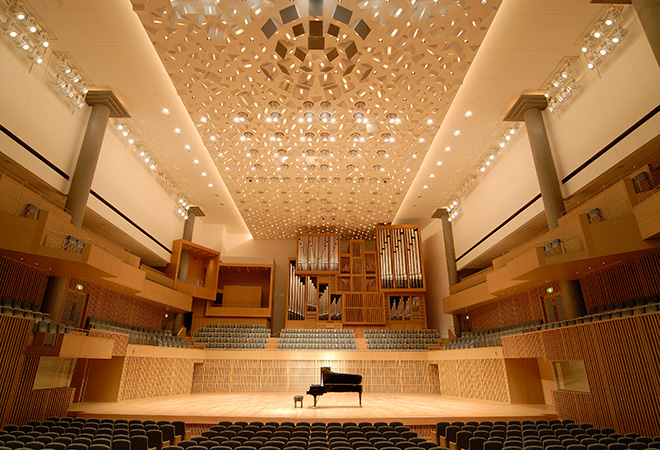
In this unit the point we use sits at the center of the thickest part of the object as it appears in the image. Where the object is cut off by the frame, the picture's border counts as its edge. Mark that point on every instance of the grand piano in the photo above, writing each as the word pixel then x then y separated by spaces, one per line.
pixel 336 382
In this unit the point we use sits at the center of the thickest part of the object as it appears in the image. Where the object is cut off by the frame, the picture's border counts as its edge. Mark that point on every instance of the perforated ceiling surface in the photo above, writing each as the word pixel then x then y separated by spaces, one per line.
pixel 317 113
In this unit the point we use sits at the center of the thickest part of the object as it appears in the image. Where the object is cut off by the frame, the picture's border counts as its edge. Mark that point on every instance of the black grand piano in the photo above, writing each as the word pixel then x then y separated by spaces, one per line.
pixel 336 382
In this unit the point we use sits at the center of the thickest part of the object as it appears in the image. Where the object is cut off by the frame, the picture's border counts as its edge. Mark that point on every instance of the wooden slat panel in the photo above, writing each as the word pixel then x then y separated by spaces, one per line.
pixel 257 375
pixel 622 363
pixel 154 377
pixel 21 282
pixel 625 281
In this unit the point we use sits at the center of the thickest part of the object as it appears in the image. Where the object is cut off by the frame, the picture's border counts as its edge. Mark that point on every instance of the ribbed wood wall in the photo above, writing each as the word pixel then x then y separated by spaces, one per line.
pixel 519 308
pixel 21 282
pixel 256 375
pixel 625 281
pixel 484 379
pixel 622 362
pixel 120 340
pixel 155 377
pixel 18 402
pixel 105 304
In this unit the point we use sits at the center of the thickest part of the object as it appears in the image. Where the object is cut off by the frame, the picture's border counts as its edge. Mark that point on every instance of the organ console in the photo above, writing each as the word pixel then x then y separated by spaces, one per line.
pixel 336 382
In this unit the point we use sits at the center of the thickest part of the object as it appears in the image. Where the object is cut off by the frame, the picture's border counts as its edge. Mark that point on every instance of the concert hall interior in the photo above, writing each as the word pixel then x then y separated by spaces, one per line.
pixel 375 216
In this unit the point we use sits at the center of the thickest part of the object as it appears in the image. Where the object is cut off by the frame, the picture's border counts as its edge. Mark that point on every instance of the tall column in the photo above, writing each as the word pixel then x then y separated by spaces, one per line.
pixel 177 323
pixel 188 228
pixel 648 12
pixel 450 256
pixel 104 105
pixel 528 108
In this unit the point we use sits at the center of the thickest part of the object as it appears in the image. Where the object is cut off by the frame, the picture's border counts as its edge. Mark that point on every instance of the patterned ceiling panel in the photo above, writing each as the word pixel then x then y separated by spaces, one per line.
pixel 317 113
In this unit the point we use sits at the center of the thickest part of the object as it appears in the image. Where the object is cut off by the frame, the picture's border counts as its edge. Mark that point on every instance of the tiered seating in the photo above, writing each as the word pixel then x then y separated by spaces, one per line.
pixel 66 433
pixel 308 436
pixel 140 335
pixel 42 321
pixel 316 340
pixel 492 337
pixel 635 307
pixel 401 340
pixel 225 336
pixel 538 435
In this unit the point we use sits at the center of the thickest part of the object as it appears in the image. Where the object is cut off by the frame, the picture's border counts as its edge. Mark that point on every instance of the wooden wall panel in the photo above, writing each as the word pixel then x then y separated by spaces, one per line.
pixel 120 340
pixel 21 282
pixel 624 281
pixel 105 304
pixel 154 377
pixel 484 379
pixel 622 366
pixel 18 402
pixel 519 308
pixel 257 375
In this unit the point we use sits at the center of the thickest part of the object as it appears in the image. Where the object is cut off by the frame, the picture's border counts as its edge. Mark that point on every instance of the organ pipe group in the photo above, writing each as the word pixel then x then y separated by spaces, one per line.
pixel 399 252
pixel 318 253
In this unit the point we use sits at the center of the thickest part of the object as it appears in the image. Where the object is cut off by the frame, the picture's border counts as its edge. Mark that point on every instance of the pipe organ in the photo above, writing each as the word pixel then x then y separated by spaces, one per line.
pixel 318 253
pixel 368 283
pixel 400 256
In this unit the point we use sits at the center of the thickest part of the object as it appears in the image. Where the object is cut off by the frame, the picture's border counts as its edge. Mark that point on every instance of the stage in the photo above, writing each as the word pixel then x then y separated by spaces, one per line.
pixel 411 409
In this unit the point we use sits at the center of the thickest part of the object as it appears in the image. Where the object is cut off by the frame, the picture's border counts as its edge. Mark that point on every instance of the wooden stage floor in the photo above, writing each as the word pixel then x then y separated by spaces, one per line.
pixel 411 409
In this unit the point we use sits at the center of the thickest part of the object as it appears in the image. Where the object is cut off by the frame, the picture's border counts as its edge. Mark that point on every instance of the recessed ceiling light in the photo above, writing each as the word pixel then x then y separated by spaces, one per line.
pixel 210 184
pixel 439 163
pixel 468 113
pixel 177 130
pixel 186 147
pixel 447 148
pixel 426 186
pixel 203 174
pixel 165 111
pixel 195 161
pixel 432 175
pixel 457 133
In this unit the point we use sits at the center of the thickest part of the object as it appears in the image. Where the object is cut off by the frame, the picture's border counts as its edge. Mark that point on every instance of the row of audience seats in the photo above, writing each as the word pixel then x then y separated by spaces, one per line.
pixel 644 305
pixel 401 339
pixel 538 435
pixel 139 335
pixel 221 336
pixel 66 433
pixel 492 337
pixel 307 436
pixel 302 339
pixel 42 321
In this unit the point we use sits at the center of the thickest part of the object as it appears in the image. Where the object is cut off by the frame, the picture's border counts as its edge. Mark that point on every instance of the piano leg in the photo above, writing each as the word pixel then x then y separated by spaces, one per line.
pixel 315 397
pixel 360 395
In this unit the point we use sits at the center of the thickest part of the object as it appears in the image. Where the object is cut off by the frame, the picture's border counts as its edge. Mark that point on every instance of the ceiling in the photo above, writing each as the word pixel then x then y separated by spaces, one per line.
pixel 225 68
pixel 317 113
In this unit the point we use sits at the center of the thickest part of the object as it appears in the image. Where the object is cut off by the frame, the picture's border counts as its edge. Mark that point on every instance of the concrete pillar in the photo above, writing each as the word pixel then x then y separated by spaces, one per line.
pixel 188 228
pixel 177 323
pixel 104 105
pixel 648 12
pixel 53 300
pixel 528 108
pixel 450 256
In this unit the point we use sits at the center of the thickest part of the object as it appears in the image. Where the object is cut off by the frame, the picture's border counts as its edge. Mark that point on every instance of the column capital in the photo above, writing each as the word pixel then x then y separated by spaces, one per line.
pixel 107 98
pixel 440 213
pixel 525 102
pixel 195 211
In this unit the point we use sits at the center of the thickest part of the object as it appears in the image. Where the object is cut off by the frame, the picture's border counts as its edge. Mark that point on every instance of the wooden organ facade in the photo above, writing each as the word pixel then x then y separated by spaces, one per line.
pixel 365 283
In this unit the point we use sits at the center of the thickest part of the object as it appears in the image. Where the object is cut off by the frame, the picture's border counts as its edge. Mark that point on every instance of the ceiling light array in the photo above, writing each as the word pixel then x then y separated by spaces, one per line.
pixel 70 83
pixel 608 32
pixel 25 32
pixel 452 209
pixel 507 137
pixel 31 40
pixel 152 165
pixel 563 85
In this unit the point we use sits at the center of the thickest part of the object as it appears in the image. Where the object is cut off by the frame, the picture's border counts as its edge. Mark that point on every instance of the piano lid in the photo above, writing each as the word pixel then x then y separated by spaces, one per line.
pixel 330 377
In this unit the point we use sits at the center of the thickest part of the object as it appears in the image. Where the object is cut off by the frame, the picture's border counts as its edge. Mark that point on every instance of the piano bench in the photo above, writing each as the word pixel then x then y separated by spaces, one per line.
pixel 297 399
